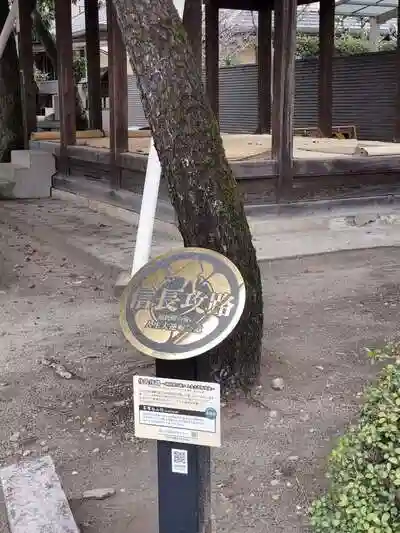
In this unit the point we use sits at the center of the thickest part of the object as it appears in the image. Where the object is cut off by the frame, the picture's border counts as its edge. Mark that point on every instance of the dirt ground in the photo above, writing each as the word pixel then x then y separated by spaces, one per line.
pixel 320 313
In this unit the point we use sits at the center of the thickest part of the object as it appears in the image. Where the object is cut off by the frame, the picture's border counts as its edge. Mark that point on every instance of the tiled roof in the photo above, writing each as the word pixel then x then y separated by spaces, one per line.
pixel 242 22
pixel 307 21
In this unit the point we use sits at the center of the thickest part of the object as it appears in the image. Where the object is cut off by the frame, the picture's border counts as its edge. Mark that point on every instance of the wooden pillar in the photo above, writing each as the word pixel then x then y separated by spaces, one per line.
pixel 276 107
pixel 397 107
pixel 264 60
pixel 212 54
pixel 326 51
pixel 118 91
pixel 93 63
pixel 283 93
pixel 192 20
pixel 66 87
pixel 28 88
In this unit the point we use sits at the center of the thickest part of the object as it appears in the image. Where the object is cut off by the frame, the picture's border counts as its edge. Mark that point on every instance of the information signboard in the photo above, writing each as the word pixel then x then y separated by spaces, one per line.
pixel 176 307
pixel 182 304
pixel 177 410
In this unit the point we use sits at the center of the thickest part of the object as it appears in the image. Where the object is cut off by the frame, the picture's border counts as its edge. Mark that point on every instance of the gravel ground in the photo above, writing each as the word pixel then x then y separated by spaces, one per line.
pixel 57 265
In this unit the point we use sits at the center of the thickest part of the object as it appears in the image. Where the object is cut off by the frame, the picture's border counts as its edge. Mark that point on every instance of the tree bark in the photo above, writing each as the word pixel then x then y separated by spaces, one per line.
pixel 51 51
pixel 202 187
pixel 11 123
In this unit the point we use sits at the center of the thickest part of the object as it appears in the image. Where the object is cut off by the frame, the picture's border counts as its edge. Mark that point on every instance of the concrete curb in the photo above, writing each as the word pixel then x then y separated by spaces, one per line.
pixel 34 498
pixel 285 237
pixel 130 217
pixel 341 220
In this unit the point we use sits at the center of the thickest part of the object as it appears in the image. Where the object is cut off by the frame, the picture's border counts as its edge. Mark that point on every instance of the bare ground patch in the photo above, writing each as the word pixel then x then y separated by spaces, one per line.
pixel 320 313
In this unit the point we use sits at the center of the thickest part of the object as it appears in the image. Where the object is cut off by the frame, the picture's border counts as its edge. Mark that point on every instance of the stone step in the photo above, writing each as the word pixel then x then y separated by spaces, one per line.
pixel 21 157
pixel 6 188
pixel 34 498
pixel 29 175
pixel 8 171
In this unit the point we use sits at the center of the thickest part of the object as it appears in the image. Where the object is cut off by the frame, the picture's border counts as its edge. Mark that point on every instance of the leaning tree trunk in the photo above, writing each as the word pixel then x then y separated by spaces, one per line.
pixel 11 123
pixel 202 187
pixel 51 51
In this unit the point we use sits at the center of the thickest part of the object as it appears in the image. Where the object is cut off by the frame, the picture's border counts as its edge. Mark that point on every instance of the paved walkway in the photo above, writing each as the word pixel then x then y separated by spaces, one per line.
pixel 107 233
pixel 105 242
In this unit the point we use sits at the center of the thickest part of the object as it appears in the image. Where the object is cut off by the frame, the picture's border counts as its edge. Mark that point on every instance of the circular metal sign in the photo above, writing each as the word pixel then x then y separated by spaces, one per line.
pixel 182 303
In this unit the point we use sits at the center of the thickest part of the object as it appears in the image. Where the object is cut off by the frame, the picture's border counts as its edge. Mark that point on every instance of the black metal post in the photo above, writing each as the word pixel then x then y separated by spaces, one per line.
pixel 184 500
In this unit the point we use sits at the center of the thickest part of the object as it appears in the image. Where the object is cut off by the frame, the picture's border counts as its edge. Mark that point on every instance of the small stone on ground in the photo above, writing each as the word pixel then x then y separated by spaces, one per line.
pixel 278 384
pixel 98 494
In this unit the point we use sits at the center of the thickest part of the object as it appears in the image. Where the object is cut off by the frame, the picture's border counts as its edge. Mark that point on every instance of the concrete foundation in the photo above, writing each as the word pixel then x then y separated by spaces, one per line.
pixel 28 175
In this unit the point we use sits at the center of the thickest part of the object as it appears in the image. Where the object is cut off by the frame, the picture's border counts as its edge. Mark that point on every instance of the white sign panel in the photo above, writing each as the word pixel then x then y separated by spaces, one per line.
pixel 179 461
pixel 176 410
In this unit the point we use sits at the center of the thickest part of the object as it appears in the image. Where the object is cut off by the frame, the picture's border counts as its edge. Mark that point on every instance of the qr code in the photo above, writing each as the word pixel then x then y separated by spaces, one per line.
pixel 179 461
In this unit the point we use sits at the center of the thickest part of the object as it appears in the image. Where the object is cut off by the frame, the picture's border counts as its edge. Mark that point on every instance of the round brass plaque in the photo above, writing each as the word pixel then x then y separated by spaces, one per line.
pixel 182 303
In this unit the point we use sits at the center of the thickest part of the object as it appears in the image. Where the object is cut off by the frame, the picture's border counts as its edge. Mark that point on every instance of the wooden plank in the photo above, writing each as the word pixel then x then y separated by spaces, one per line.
pixel 28 87
pixel 34 498
pixel 343 190
pixel 264 60
pixel 66 87
pixel 346 166
pixel 397 118
pixel 338 132
pixel 386 149
pixel 326 167
pixel 93 63
pixel 212 55
pixel 118 90
pixel 326 51
pixel 311 173
pixel 192 20
pixel 283 93
pixel 85 134
pixel 55 135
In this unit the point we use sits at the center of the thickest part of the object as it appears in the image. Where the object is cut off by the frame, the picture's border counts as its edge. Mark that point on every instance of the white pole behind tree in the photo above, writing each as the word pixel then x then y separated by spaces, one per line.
pixel 151 187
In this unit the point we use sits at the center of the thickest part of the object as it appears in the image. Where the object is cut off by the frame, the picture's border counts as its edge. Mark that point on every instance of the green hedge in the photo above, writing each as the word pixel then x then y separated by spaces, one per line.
pixel 364 468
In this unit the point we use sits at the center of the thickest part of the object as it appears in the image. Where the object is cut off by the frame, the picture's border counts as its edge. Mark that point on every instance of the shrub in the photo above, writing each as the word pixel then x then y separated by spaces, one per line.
pixel 345 45
pixel 364 468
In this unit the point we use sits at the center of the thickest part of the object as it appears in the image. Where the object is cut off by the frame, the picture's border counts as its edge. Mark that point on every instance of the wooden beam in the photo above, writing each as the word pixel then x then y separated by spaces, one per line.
pixel 264 60
pixel 397 107
pixel 326 51
pixel 283 93
pixel 192 20
pixel 93 63
pixel 66 85
pixel 28 87
pixel 55 135
pixel 212 55
pixel 45 38
pixel 275 106
pixel 258 171
pixel 118 89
